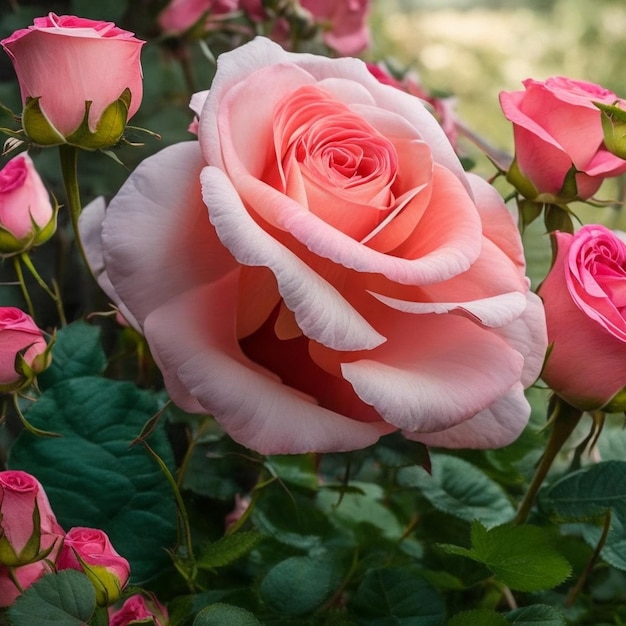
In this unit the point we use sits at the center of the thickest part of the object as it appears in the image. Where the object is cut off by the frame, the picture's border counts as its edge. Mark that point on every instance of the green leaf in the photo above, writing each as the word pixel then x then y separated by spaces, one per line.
pixel 458 488
pixel 228 549
pixel 76 352
pixel 587 495
pixel 66 597
pixel 291 519
pixel 484 617
pixel 536 615
pixel 398 596
pixel 300 584
pixel 92 475
pixel 297 469
pixel 522 557
pixel 220 614
pixel 350 509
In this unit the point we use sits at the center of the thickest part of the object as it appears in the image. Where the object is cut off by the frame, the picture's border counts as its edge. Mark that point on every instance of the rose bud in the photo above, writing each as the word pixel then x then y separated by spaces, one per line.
pixel 27 217
pixel 89 550
pixel 29 531
pixel 586 321
pixel 96 85
pixel 560 155
pixel 139 608
pixel 23 350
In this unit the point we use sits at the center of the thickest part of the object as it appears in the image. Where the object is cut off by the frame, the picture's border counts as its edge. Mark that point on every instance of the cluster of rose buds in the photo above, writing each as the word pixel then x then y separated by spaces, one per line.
pixel 33 544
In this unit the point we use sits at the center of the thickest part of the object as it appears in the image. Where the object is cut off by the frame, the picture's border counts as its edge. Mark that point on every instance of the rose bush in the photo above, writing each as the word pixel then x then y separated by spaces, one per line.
pixel 559 141
pixel 587 362
pixel 29 533
pixel 89 550
pixel 27 217
pixel 317 270
pixel 94 62
pixel 19 335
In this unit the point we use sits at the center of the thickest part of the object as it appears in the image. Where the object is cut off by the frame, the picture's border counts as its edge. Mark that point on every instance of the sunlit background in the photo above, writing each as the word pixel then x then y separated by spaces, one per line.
pixel 476 48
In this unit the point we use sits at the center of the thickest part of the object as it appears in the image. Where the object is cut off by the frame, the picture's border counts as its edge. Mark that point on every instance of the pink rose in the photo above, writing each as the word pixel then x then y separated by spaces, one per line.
pixel 139 607
pixel 180 15
pixel 344 23
pixel 586 319
pixel 558 129
pixel 350 279
pixel 20 335
pixel 27 217
pixel 66 62
pixel 29 532
pixel 89 550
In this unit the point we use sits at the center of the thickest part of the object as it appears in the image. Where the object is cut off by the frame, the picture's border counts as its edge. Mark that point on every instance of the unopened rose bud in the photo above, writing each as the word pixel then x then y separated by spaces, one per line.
pixel 614 128
pixel 24 352
pixel 80 80
pixel 89 550
pixel 27 217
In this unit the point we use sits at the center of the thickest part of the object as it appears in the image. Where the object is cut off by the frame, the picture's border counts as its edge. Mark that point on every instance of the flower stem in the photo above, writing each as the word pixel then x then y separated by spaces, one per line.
pixel 25 294
pixel 56 297
pixel 564 419
pixel 69 170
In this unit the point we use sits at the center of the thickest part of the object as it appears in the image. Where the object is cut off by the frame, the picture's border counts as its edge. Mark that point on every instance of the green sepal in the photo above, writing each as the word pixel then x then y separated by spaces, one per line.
pixel 10 245
pixel 37 126
pixel 107 585
pixel 110 126
pixel 613 128
pixel 520 182
pixel 617 403
pixel 31 552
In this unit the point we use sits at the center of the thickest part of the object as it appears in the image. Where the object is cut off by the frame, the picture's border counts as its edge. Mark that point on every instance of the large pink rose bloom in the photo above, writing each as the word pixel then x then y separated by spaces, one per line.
pixel 317 270
pixel 583 295
pixel 557 127
pixel 67 61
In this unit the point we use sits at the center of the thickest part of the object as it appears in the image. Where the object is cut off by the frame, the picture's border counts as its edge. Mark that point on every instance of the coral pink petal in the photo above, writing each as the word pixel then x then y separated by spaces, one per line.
pixel 157 238
pixel 437 371
pixel 497 426
pixel 252 405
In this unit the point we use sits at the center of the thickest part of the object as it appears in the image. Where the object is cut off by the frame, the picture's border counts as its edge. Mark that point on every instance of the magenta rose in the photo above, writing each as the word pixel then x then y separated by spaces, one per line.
pixel 317 270
pixel 30 536
pixel 27 217
pixel 23 349
pixel 557 129
pixel 89 550
pixel 139 607
pixel 63 63
pixel 344 23
pixel 586 322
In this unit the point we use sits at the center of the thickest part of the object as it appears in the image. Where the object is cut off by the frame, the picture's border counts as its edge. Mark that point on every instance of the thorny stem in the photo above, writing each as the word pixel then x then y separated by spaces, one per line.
pixel 564 419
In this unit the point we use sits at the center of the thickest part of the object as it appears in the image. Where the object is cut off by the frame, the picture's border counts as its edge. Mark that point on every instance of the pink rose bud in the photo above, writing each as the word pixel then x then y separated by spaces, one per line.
pixel 586 319
pixel 25 575
pixel 29 531
pixel 23 349
pixel 137 608
pixel 89 550
pixel 344 23
pixel 27 217
pixel 181 15
pixel 560 154
pixel 96 85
